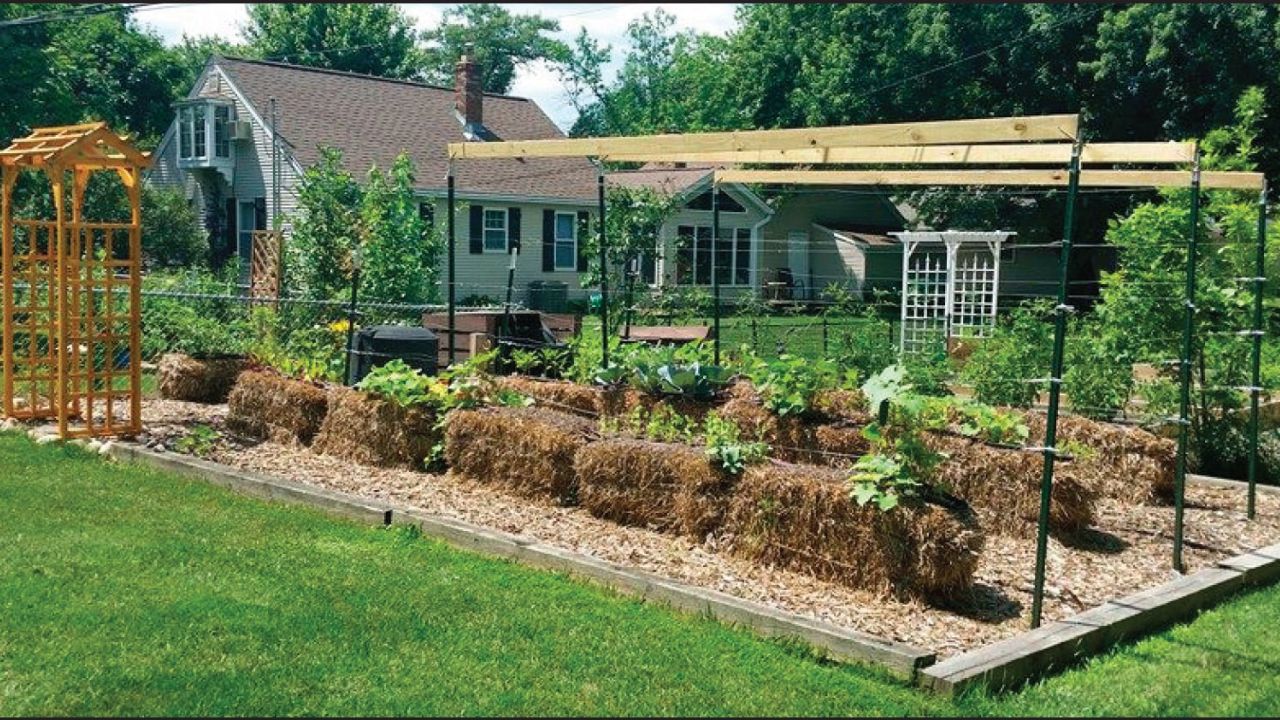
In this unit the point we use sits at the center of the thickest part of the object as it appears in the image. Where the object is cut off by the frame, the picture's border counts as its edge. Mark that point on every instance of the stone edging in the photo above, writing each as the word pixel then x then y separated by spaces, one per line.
pixel 902 660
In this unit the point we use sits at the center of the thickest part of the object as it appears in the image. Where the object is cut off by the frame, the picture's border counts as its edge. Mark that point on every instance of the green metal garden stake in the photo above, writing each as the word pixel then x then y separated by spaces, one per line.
pixel 1184 367
pixel 604 273
pixel 715 271
pixel 452 277
pixel 1259 280
pixel 1055 387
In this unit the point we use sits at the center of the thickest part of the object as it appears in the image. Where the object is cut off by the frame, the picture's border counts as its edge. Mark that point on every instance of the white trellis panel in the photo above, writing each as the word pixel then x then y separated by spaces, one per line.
pixel 950 287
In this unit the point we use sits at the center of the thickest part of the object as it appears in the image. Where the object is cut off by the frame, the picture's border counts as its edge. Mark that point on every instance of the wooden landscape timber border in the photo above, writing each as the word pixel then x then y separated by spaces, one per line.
pixel 999 666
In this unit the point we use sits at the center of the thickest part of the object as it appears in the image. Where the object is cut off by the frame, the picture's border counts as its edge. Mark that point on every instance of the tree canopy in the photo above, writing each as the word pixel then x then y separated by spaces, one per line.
pixel 374 38
pixel 500 41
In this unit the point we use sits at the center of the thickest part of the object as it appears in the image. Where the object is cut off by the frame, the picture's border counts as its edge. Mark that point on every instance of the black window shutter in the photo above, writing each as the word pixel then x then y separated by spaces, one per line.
pixel 477 229
pixel 513 229
pixel 584 231
pixel 259 213
pixel 548 240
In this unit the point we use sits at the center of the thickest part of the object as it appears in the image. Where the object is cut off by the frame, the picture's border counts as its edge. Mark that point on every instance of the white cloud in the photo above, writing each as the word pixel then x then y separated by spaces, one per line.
pixel 605 22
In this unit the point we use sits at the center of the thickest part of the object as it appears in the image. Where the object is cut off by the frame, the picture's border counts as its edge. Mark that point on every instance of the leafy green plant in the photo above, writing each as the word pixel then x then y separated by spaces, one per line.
pixel 726 446
pixel 199 441
pixel 882 479
pixel 789 384
pixel 1004 366
pixel 405 386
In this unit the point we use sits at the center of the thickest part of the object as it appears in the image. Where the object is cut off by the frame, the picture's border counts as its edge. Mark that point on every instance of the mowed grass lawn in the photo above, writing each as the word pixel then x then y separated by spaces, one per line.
pixel 129 591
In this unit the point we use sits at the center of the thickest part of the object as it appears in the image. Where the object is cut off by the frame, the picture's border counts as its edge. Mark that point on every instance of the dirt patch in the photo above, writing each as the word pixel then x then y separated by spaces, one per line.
pixel 528 450
pixel 267 405
pixel 802 517
pixel 371 430
pixel 190 379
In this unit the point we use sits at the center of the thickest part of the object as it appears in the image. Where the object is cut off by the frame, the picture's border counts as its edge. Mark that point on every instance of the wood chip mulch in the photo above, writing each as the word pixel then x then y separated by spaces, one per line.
pixel 1127 550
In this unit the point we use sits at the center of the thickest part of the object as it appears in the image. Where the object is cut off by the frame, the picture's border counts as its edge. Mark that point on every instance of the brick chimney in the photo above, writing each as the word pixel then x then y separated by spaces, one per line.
pixel 468 97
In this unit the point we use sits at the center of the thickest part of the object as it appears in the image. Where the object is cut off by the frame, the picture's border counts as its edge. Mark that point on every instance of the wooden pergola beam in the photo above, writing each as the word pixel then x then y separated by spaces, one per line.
pixel 1013 178
pixel 944 132
pixel 1156 153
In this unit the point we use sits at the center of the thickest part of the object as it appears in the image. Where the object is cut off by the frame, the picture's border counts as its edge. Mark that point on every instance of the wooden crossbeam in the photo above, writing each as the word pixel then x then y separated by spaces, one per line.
pixel 944 132
pixel 1156 153
pixel 1025 178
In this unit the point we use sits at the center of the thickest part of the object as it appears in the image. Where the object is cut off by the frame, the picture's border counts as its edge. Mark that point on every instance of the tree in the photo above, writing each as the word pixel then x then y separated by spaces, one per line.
pixel 400 258
pixel 373 39
pixel 325 230
pixel 499 40
pixel 192 53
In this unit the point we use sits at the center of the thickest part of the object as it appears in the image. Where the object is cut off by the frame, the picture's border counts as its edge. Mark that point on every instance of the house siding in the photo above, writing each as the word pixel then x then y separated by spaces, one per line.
pixel 486 273
pixel 729 222
pixel 803 213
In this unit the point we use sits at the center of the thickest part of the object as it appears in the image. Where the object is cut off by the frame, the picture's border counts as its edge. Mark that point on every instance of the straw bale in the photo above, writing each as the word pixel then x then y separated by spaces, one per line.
pixel 202 380
pixel 1127 463
pixel 266 405
pixel 372 430
pixel 528 450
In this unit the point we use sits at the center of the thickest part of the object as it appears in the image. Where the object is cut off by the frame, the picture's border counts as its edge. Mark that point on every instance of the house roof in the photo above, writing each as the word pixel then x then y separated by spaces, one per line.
pixel 662 177
pixel 373 119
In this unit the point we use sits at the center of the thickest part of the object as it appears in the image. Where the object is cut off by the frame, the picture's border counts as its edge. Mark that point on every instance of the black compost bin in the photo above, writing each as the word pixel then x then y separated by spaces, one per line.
pixel 378 345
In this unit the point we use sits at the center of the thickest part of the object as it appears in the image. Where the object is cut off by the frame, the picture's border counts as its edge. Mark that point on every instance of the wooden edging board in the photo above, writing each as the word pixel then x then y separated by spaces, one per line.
pixel 836 643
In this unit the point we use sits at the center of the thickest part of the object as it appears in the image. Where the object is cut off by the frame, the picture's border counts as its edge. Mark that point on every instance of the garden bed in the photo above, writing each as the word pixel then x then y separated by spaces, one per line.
pixel 1127 549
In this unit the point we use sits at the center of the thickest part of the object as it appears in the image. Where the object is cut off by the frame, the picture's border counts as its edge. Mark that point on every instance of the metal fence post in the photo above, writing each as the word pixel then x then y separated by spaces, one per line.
pixel 453 328
pixel 715 270
pixel 1055 387
pixel 824 334
pixel 1184 367
pixel 604 273
pixel 1255 382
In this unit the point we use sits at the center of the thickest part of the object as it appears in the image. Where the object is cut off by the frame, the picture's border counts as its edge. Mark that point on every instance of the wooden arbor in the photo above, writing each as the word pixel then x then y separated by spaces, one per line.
pixel 72 287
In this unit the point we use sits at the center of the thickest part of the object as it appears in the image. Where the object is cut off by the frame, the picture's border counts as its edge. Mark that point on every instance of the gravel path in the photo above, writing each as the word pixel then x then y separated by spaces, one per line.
pixel 1128 549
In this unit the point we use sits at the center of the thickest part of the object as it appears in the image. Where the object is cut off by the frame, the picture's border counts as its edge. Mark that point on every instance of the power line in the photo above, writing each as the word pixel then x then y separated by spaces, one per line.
pixel 83 11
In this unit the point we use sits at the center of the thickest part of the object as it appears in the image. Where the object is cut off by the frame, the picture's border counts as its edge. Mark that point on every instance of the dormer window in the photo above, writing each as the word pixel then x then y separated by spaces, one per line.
pixel 204 127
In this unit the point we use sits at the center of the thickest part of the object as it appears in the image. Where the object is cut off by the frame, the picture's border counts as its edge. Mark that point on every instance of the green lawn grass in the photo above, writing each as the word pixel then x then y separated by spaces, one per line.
pixel 129 591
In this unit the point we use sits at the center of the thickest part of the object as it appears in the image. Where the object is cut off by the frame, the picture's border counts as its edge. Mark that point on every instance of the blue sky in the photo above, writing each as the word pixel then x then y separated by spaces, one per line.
pixel 606 22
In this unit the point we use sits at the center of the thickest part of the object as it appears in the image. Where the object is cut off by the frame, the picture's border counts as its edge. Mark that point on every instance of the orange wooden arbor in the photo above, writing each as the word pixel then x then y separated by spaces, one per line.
pixel 72 287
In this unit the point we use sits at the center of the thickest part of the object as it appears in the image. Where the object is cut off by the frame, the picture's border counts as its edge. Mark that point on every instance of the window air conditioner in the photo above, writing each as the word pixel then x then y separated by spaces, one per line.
pixel 241 130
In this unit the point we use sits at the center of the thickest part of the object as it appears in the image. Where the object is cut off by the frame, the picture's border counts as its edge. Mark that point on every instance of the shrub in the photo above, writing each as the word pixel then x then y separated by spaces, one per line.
pixel 1099 372
pixel 172 235
pixel 1004 366
pixel 790 384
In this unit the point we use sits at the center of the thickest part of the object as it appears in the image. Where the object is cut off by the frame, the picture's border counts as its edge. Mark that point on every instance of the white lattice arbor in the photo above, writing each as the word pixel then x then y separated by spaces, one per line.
pixel 950 287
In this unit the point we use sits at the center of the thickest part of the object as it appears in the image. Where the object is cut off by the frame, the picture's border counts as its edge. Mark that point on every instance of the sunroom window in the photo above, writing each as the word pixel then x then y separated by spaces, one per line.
pixel 204 127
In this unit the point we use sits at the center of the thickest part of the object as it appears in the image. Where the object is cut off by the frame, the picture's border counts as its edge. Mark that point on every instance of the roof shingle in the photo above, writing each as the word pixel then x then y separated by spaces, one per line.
pixel 372 120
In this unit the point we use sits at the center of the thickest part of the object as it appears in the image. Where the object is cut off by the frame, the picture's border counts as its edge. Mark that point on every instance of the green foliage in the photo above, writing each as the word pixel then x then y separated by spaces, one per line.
pixel 325 230
pixel 366 38
pixel 405 386
pixel 401 258
pixel 1099 372
pixel 201 325
pixel 679 371
pixel 726 446
pixel 500 41
pixel 882 479
pixel 789 384
pixel 867 345
pixel 662 424
pixel 1003 368
pixel 634 220
pixel 929 373
pixel 200 441
pixel 290 342
pixel 172 235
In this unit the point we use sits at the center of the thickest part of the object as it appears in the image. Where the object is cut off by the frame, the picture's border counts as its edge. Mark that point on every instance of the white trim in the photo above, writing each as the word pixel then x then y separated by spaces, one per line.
pixel 555 241
pixel 733 253
pixel 506 231
pixel 757 239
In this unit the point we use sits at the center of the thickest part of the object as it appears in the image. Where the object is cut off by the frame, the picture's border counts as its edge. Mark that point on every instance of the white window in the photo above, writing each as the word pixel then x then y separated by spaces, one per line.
pixel 693 255
pixel 198 131
pixel 566 241
pixel 184 132
pixel 495 230
pixel 222 131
